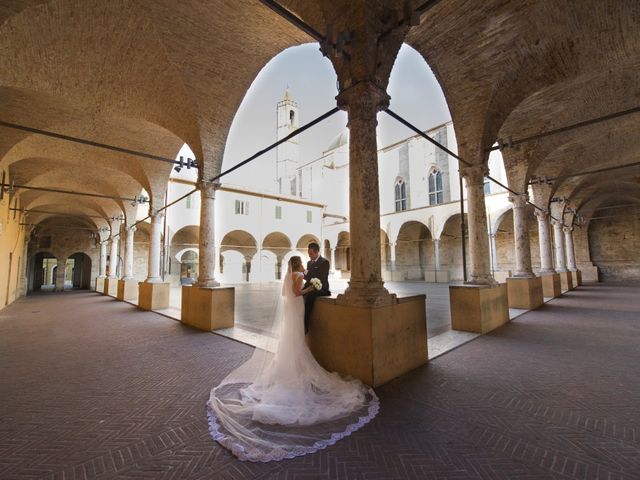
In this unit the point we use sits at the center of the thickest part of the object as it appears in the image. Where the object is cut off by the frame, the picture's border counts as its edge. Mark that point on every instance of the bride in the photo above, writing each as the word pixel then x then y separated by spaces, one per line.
pixel 282 403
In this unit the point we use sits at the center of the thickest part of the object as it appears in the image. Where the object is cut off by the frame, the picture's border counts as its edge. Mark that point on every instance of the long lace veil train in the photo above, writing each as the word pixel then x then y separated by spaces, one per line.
pixel 281 403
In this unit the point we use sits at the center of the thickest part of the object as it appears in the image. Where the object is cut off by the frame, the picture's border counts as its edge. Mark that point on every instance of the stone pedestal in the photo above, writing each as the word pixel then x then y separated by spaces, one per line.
pixel 373 344
pixel 588 272
pixel 502 275
pixel 127 289
pixel 153 296
pixel 566 281
pixel 100 285
pixel 110 287
pixel 577 278
pixel 525 292
pixel 551 286
pixel 478 308
pixel 208 308
pixel 442 276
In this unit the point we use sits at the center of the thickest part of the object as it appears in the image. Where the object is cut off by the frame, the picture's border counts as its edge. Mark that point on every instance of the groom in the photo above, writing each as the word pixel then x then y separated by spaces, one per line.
pixel 317 267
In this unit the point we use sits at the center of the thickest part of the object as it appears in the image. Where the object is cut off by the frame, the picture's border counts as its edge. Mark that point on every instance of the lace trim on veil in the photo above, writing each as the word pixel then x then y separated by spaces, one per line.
pixel 256 455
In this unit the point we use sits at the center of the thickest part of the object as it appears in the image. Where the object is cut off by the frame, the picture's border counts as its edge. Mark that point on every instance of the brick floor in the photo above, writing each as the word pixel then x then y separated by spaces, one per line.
pixel 93 388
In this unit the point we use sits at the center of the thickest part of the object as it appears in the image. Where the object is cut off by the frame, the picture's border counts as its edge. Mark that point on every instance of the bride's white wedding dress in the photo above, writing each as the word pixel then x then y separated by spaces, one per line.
pixel 282 403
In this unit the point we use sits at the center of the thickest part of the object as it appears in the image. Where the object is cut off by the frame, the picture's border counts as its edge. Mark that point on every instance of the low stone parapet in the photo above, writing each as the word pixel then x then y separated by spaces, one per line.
pixel 127 289
pixel 566 281
pixel 478 308
pixel 153 296
pixel 208 308
pixel 110 287
pixel 375 344
pixel 525 292
pixel 551 286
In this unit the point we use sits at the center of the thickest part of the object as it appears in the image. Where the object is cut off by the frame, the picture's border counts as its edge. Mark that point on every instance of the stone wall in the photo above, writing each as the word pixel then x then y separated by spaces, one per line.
pixel 614 241
pixel 11 254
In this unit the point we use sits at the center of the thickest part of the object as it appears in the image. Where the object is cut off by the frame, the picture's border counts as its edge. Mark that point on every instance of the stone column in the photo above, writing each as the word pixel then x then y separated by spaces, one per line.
pixel 207 251
pixel 480 271
pixel 333 259
pixel 494 251
pixel 154 247
pixel 60 274
pixel 128 254
pixel 24 277
pixel 393 256
pixel 103 259
pixel 362 101
pixel 247 268
pixel 568 242
pixel 544 236
pixel 561 265
pixel 436 251
pixel 113 258
pixel 521 236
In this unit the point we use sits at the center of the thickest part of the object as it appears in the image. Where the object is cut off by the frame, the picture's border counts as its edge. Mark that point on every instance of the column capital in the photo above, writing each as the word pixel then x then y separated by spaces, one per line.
pixel 474 174
pixel 567 229
pixel 208 189
pixel 156 215
pixel 364 96
pixel 132 229
pixel 541 214
pixel 556 223
pixel 520 200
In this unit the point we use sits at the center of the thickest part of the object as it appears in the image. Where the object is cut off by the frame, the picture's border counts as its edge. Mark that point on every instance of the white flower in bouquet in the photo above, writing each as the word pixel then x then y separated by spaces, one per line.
pixel 316 283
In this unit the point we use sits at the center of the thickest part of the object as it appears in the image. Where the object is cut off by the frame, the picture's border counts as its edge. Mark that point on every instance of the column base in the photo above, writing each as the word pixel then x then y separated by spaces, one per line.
pixel 110 287
pixel 100 284
pixel 153 296
pixel 478 308
pixel 208 308
pixel 551 286
pixel 366 295
pixel 576 278
pixel 373 344
pixel 525 292
pixel 127 289
pixel 566 281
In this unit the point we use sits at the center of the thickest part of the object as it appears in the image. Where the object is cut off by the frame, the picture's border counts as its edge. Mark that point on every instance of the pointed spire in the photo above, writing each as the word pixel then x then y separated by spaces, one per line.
pixel 287 96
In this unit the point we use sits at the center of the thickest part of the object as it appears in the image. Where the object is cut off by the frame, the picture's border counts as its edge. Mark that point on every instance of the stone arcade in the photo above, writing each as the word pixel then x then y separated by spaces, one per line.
pixel 550 85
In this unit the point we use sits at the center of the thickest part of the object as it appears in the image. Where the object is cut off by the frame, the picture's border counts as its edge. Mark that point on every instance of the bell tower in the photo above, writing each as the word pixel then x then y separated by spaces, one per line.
pixel 287 152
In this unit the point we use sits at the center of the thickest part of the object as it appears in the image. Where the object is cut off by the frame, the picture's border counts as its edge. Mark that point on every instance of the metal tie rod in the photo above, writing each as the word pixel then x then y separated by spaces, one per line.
pixel 25 210
pixel 91 143
pixel 586 123
pixel 250 159
pixel 68 192
pixel 274 145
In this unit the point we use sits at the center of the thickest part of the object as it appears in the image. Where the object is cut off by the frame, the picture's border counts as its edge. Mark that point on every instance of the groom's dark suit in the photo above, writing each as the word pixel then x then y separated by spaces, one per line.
pixel 315 269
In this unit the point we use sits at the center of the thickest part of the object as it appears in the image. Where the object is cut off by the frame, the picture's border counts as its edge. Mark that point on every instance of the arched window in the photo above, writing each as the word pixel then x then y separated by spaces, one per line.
pixel 435 187
pixel 401 195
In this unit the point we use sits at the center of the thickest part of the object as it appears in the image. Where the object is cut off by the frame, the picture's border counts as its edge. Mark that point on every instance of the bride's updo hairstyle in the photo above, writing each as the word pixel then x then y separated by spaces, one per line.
pixel 295 263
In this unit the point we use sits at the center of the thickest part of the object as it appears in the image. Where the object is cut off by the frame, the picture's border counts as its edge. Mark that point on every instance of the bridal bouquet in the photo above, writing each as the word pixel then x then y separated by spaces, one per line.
pixel 315 283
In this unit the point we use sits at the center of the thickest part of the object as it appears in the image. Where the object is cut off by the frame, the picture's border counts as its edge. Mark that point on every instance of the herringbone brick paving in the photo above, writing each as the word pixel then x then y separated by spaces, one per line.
pixel 93 388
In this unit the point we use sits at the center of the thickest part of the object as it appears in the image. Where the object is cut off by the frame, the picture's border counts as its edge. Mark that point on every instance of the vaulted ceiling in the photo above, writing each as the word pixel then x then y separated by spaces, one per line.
pixel 150 76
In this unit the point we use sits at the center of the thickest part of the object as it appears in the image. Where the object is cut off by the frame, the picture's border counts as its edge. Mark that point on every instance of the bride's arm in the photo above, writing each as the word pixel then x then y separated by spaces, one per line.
pixel 297 286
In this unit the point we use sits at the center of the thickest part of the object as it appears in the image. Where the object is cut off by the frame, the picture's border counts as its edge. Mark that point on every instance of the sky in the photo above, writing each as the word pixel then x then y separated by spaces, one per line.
pixel 415 95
